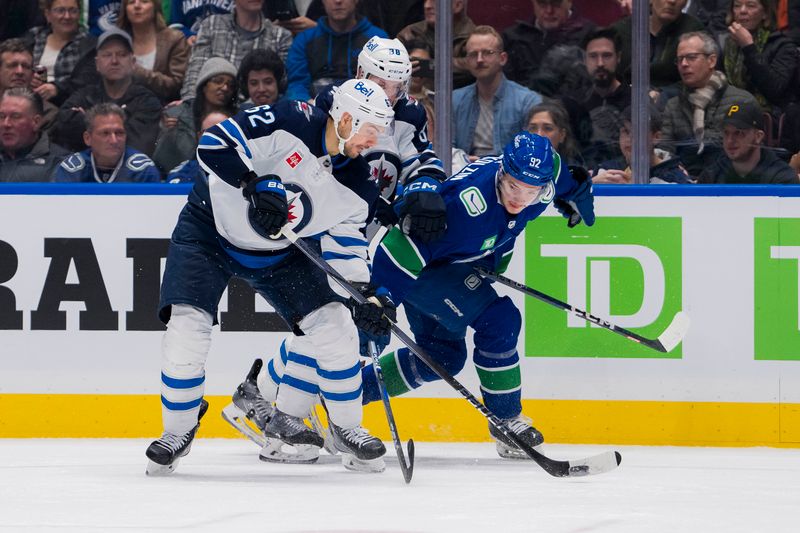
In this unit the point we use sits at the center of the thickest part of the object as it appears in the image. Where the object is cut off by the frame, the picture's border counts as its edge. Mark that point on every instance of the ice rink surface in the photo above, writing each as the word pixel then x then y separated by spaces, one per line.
pixel 99 485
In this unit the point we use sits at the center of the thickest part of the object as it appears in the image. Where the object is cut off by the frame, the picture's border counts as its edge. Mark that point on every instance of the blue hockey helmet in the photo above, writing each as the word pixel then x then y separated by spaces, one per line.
pixel 529 158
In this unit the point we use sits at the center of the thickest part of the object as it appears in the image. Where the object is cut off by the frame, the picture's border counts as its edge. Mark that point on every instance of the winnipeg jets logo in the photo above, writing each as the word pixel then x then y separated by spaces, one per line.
pixel 300 207
pixel 306 110
pixel 384 170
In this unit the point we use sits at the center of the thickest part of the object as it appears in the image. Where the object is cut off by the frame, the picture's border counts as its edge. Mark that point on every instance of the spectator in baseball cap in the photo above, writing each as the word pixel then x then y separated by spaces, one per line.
pixel 744 159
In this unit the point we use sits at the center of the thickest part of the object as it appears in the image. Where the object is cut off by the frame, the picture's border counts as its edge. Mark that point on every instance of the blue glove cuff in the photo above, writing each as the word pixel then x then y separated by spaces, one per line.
pixel 422 184
pixel 271 185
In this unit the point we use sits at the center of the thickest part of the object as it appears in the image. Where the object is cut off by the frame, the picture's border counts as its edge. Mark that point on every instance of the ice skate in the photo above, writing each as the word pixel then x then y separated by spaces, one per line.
pixel 360 451
pixel 289 440
pixel 522 427
pixel 249 411
pixel 165 453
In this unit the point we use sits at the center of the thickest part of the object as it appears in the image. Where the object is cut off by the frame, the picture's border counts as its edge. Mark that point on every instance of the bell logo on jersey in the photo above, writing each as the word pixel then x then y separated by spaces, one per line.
pixel 360 87
pixel 294 159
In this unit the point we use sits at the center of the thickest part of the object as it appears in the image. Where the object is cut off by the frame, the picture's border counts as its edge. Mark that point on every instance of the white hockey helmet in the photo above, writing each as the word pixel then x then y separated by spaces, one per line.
pixel 388 60
pixel 366 102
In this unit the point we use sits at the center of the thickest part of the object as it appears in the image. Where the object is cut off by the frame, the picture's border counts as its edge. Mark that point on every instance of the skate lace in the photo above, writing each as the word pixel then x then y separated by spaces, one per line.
pixel 357 435
pixel 262 408
pixel 173 442
pixel 519 424
pixel 296 423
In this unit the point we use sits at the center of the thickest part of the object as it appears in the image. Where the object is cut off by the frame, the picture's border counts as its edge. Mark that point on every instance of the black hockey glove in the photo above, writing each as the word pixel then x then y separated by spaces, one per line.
pixel 579 203
pixel 375 316
pixel 268 209
pixel 384 212
pixel 421 209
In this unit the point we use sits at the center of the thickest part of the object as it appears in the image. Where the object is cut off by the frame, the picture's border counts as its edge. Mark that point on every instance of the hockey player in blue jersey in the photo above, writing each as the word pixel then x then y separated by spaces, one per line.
pixel 489 203
pixel 266 166
pixel 405 155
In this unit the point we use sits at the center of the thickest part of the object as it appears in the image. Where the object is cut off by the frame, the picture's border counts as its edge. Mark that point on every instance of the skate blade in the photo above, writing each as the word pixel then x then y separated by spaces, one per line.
pixel 323 431
pixel 507 452
pixel 156 470
pixel 373 466
pixel 277 451
pixel 236 417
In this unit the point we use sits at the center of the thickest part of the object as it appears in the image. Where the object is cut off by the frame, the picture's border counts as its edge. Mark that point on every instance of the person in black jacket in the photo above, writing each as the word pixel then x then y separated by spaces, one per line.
pixel 744 159
pixel 115 61
pixel 757 58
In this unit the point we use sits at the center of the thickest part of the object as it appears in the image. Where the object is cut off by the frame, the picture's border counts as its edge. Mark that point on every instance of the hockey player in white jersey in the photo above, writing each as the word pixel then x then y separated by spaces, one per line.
pixel 268 166
pixel 403 155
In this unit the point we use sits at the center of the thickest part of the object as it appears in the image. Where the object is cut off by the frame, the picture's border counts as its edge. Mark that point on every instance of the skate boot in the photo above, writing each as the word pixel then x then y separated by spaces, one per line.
pixel 249 411
pixel 522 427
pixel 289 440
pixel 166 452
pixel 360 451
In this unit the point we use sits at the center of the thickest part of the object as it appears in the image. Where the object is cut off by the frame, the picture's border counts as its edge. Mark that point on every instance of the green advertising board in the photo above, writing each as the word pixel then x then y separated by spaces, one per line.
pixel 776 255
pixel 625 269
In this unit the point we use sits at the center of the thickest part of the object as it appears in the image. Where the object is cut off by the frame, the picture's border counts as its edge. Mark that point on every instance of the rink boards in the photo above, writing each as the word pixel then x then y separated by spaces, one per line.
pixel 80 345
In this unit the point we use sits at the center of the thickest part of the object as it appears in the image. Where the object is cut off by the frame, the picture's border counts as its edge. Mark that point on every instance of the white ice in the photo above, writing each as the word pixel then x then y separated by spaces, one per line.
pixel 99 485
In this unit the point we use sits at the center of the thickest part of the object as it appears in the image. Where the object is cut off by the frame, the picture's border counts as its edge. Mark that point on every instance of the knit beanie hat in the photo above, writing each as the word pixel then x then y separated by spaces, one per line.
pixel 213 67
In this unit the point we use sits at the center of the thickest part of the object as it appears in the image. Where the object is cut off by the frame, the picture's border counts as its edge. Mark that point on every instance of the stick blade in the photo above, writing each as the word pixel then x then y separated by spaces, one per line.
pixel 675 332
pixel 597 464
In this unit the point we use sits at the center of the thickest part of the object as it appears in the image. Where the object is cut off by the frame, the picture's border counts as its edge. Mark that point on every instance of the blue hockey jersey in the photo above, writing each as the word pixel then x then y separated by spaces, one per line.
pixel 329 197
pixel 479 229
pixel 133 166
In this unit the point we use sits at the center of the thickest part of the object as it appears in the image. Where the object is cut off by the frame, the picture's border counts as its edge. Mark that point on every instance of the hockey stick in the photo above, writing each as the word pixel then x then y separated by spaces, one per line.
pixel 666 342
pixel 597 464
pixel 407 467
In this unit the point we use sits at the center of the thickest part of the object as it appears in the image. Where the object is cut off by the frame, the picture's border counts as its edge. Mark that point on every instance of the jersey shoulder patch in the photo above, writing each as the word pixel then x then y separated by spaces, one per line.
pixel 74 163
pixel 473 201
pixel 138 162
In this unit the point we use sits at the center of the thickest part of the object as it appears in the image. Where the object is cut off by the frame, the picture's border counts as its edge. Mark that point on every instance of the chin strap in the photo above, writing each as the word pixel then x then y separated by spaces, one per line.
pixel 342 140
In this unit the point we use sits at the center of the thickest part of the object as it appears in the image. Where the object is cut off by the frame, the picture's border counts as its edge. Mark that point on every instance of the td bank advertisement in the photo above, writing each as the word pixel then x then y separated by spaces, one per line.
pixel 79 286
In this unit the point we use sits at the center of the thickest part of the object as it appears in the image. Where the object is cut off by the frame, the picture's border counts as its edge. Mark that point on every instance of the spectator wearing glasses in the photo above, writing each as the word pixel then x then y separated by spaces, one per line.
pixel 216 90
pixel 554 23
pixel 745 159
pixel 693 118
pixel 26 153
pixel 488 113
pixel 667 23
pixel 58 47
pixel 756 57
pixel 189 171
pixel 115 64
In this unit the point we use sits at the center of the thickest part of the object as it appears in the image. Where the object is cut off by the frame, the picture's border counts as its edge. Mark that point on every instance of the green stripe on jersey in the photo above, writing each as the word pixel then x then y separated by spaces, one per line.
pixel 500 380
pixel 395 385
pixel 504 261
pixel 403 252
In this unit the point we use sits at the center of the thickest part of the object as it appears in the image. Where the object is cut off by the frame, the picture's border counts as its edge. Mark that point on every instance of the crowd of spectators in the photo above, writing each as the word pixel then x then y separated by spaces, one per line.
pixel 120 90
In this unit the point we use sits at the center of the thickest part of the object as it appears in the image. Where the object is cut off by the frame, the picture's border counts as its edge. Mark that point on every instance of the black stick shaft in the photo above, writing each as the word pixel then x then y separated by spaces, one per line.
pixel 406 465
pixel 630 335
pixel 555 468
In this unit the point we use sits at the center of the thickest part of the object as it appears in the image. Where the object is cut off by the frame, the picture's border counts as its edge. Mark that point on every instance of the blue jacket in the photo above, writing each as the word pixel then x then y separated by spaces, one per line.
pixel 323 56
pixel 134 167
pixel 512 102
